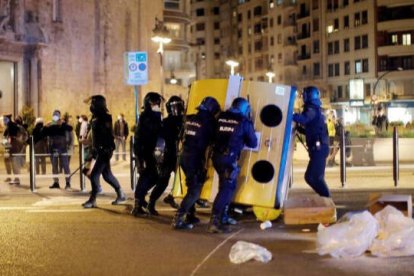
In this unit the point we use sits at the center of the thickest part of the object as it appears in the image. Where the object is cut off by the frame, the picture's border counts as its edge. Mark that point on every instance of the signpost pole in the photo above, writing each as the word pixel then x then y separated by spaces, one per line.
pixel 136 90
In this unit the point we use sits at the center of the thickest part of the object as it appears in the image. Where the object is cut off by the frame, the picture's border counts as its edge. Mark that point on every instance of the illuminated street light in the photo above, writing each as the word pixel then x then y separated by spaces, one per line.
pixel 232 63
pixel 270 75
pixel 173 80
pixel 161 36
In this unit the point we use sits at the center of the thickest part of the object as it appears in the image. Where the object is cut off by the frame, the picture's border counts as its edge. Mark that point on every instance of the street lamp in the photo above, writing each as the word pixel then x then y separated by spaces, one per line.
pixel 232 63
pixel 161 36
pixel 270 73
pixel 383 75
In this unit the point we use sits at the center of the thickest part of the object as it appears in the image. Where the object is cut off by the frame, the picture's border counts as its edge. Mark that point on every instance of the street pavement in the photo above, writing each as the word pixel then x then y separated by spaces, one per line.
pixel 48 232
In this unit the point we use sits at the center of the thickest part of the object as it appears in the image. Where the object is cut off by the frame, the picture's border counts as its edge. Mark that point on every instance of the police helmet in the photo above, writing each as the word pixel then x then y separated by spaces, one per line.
pixel 311 95
pixel 240 105
pixel 209 104
pixel 152 98
pixel 175 106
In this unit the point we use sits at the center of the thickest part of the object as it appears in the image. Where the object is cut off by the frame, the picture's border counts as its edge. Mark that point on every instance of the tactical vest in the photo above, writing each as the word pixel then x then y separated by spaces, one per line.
pixel 229 134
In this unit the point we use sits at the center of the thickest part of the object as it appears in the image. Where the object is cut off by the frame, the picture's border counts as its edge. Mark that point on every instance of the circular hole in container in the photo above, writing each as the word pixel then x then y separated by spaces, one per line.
pixel 271 115
pixel 263 171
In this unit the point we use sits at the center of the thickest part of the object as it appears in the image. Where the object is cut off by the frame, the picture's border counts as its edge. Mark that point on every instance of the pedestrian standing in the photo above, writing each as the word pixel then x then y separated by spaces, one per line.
pixel 121 134
pixel 40 146
pixel 147 136
pixel 311 122
pixel 101 150
pixel 234 131
pixel 199 131
pixel 56 131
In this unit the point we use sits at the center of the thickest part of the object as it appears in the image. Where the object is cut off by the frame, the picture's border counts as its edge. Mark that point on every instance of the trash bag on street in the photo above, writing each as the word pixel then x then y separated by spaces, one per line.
pixel 395 236
pixel 349 238
pixel 243 251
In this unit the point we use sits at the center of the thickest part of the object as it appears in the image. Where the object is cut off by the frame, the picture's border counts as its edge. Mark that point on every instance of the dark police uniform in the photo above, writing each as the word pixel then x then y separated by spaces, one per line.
pixel 198 135
pixel 314 127
pixel 234 131
pixel 146 135
pixel 171 130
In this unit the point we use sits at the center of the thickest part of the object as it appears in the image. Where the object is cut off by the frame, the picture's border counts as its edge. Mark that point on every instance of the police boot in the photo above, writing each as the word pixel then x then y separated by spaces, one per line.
pixel 216 227
pixel 151 208
pixel 169 199
pixel 226 219
pixel 120 197
pixel 91 203
pixel 138 211
pixel 179 222
pixel 192 219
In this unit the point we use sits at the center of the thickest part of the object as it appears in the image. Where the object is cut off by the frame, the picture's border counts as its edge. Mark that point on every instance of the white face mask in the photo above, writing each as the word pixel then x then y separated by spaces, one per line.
pixel 80 120
pixel 156 108
pixel 119 118
pixel 55 118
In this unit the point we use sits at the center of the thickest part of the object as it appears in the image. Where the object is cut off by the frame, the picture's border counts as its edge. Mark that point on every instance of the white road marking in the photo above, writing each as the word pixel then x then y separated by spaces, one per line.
pixel 213 251
pixel 10 208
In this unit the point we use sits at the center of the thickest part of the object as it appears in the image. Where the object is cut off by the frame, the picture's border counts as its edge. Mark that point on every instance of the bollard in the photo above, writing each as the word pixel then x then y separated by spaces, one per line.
pixel 132 163
pixel 395 157
pixel 32 166
pixel 81 164
pixel 342 157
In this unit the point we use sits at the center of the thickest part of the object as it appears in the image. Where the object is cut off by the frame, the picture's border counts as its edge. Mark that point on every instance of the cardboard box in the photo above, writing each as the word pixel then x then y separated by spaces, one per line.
pixel 309 210
pixel 377 202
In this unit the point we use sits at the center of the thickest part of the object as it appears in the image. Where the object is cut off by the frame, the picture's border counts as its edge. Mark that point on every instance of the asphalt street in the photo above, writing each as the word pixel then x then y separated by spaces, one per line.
pixel 49 233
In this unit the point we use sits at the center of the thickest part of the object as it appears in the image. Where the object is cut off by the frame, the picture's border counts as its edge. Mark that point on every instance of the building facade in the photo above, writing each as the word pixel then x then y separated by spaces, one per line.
pixel 358 52
pixel 54 53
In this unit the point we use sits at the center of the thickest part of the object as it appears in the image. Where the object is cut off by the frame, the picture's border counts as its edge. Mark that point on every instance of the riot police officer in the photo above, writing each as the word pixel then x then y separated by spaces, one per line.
pixel 147 134
pixel 234 131
pixel 101 150
pixel 199 130
pixel 171 130
pixel 312 123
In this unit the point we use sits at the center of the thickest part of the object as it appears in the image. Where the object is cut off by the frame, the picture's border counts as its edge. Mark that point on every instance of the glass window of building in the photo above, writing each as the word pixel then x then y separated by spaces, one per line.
pixel 407 62
pixel 216 41
pixel 272 41
pixel 339 92
pixel 336 69
pixel 249 14
pixel 172 4
pixel 357 19
pixel 304 70
pixel 257 28
pixel 216 25
pixel 358 66
pixel 315 25
pixel 271 22
pixel 279 19
pixel 357 43
pixel 216 10
pixel 216 55
pixel 330 48
pixel 316 46
pixel 200 41
pixel 56 11
pixel 364 19
pixel 365 68
pixel 346 45
pixel 257 11
pixel 347 68
pixel 346 21
pixel 200 27
pixel 199 12
pixel 336 47
pixel 240 17
pixel 336 24
pixel 174 29
pixel 394 39
pixel 279 39
pixel 315 4
pixel 316 69
pixel 330 70
pixel 364 41
pixel 345 3
pixel 406 39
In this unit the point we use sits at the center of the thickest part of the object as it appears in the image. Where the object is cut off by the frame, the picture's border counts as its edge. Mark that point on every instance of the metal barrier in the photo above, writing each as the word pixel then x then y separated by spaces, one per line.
pixel 81 164
pixel 395 157
pixel 132 164
pixel 342 158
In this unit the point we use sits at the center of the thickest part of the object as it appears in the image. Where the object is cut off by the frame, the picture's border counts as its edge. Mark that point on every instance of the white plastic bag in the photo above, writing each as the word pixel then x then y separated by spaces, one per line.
pixel 349 238
pixel 243 251
pixel 396 234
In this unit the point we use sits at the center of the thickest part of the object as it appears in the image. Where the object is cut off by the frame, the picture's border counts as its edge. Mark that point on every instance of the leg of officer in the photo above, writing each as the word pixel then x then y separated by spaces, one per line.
pixel 109 177
pixel 315 172
pixel 158 190
pixel 146 181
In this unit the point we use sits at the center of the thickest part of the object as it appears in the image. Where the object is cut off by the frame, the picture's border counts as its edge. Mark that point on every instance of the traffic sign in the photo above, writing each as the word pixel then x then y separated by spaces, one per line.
pixel 136 68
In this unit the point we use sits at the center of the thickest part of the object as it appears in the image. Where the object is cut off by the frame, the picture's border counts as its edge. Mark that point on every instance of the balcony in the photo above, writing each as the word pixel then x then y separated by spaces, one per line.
pixel 290 42
pixel 303 35
pixel 396 50
pixel 395 25
pixel 304 56
pixel 302 15
pixel 290 63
